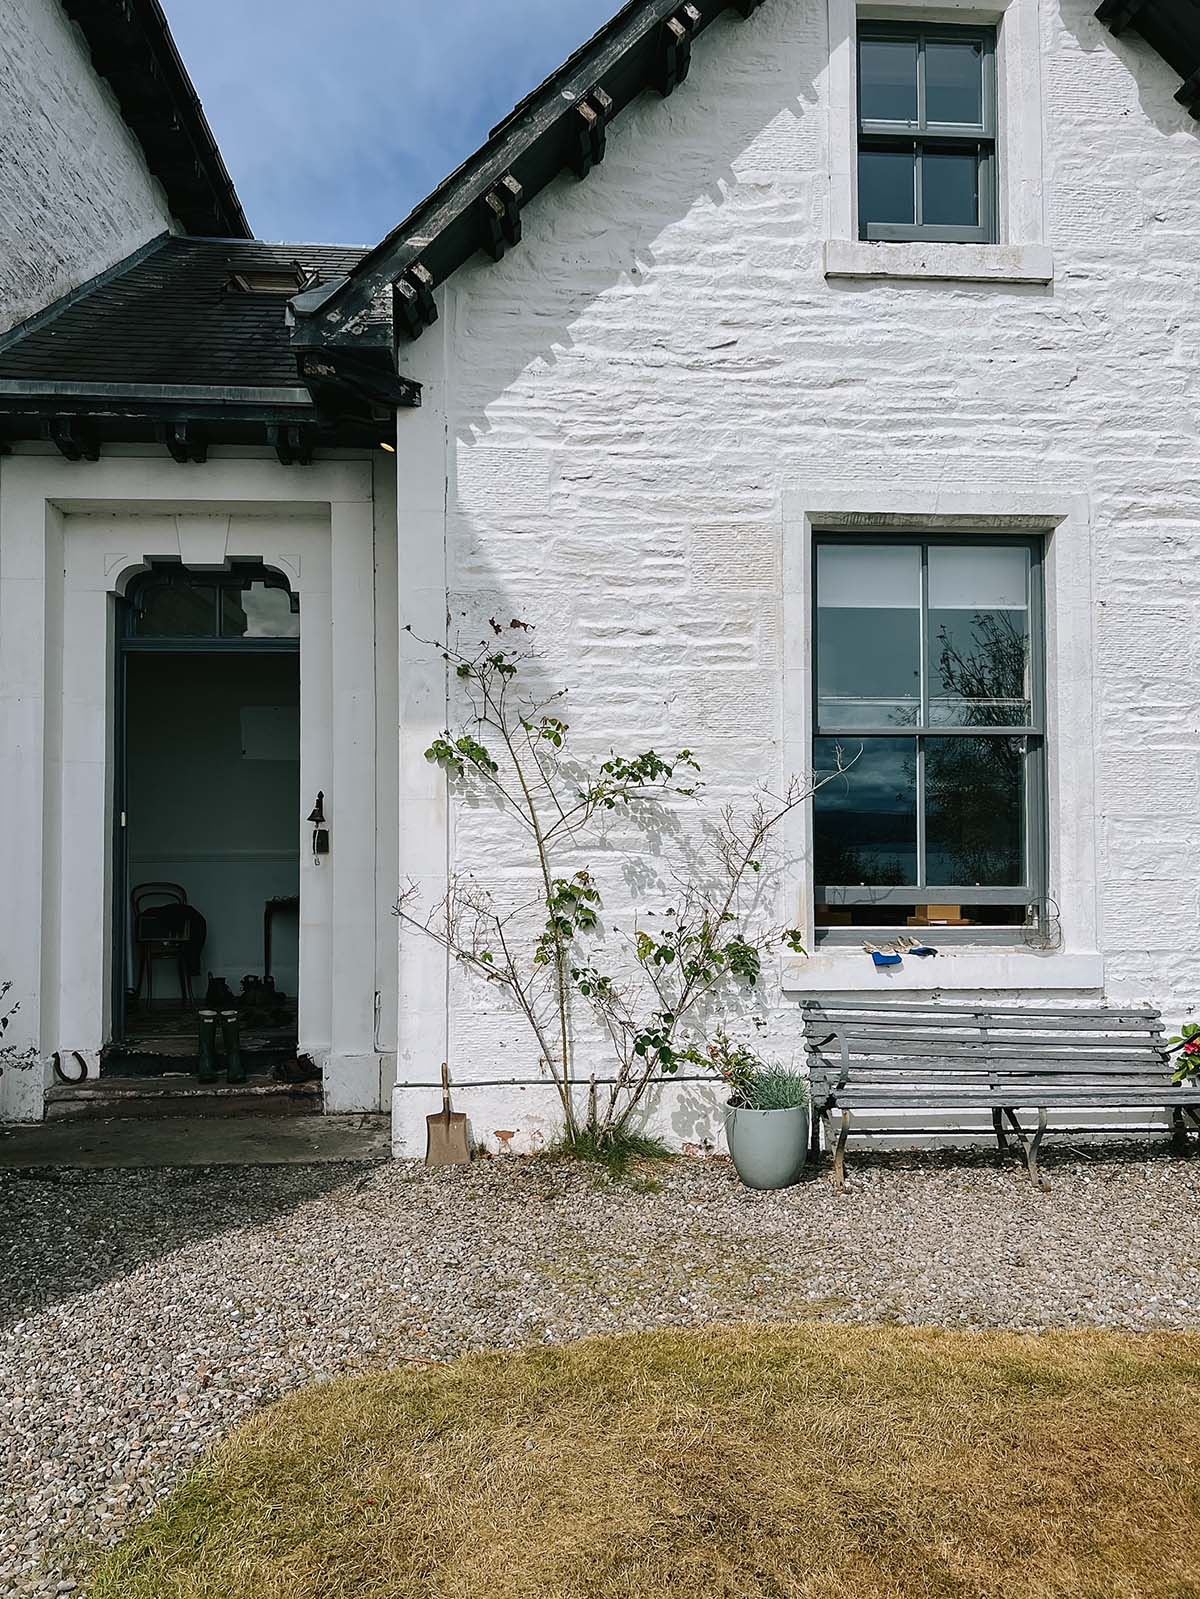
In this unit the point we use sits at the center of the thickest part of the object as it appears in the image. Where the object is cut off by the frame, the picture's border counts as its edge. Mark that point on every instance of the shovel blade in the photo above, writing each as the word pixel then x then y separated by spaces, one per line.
pixel 446 1139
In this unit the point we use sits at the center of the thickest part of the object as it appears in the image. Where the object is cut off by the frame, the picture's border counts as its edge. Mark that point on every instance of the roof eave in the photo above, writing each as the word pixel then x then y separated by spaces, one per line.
pixel 1170 27
pixel 132 48
pixel 81 417
pixel 561 126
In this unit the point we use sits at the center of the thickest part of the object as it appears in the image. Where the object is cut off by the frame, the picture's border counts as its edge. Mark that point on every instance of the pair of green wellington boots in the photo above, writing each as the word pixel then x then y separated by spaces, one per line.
pixel 235 1067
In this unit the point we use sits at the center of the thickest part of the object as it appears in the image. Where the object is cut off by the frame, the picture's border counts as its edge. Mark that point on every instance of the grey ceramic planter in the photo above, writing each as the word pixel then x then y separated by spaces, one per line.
pixel 769 1147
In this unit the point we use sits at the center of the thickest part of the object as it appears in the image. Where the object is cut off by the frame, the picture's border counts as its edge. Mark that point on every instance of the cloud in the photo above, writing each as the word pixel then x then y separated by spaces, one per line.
pixel 334 120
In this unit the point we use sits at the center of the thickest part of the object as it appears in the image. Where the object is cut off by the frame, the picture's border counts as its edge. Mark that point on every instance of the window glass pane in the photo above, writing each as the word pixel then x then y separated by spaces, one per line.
pixel 954 82
pixel 886 186
pixel 868 635
pixel 865 820
pixel 180 610
pixel 258 612
pixel 979 655
pixel 887 80
pixel 975 811
pixel 950 188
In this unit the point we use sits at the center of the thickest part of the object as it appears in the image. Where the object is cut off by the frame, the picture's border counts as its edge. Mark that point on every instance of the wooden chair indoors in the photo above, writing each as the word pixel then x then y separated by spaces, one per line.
pixel 161 932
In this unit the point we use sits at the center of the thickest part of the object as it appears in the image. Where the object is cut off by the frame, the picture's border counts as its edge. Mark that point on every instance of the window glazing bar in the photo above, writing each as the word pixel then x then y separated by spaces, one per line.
pixel 934 894
pixel 923 730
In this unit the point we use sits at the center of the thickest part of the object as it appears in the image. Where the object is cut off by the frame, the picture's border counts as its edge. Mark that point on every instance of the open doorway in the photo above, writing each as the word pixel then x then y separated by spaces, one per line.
pixel 207 894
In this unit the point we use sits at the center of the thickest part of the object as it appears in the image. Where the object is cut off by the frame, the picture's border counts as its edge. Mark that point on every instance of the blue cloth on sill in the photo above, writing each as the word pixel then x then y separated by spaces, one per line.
pixel 885 960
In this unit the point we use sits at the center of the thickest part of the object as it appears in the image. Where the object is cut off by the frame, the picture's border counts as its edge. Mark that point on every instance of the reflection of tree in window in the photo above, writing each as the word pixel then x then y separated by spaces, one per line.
pixel 973 809
pixel 845 863
pixel 989 679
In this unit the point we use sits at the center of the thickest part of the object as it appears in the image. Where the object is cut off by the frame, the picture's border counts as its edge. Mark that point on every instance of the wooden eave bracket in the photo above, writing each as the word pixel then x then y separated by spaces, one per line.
pixel 589 131
pixel 412 297
pixel 1117 15
pixel 675 49
pixel 501 212
pixel 293 443
pixel 185 439
pixel 1188 93
pixel 73 437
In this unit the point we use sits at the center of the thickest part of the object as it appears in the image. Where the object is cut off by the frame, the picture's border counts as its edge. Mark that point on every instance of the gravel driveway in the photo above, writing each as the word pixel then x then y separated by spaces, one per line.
pixel 145 1312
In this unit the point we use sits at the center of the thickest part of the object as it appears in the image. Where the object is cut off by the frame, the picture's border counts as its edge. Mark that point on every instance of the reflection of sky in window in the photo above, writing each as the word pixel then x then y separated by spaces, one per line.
pixel 954 82
pixel 269 613
pixel 868 634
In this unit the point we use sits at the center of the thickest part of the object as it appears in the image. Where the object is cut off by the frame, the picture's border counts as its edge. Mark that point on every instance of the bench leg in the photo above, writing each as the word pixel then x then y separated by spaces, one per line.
pixel 839 1154
pixel 1031 1154
pixel 814 1135
pixel 1017 1128
pixel 1030 1147
pixel 998 1127
pixel 1185 1119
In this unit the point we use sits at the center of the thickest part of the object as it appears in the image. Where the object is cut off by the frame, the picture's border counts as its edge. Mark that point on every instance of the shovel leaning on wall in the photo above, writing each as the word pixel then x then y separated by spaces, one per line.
pixel 446 1141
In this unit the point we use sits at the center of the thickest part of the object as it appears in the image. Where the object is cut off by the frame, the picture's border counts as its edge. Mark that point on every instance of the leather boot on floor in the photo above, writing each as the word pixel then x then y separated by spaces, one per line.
pixel 235 1069
pixel 207 1025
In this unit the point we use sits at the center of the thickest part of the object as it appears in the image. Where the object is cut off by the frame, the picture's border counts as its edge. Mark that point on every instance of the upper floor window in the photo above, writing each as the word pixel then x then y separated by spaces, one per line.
pixel 928 679
pixel 926 133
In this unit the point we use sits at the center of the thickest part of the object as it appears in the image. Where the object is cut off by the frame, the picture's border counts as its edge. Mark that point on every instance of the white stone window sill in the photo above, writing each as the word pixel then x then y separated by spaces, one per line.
pixel 960 263
pixel 850 970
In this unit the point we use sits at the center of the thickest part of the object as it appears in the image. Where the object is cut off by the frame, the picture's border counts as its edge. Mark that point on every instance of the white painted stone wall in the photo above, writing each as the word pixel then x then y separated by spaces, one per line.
pixel 629 398
pixel 75 192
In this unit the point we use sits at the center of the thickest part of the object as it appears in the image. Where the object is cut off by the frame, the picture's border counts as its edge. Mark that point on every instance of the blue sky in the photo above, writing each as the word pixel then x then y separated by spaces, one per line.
pixel 334 119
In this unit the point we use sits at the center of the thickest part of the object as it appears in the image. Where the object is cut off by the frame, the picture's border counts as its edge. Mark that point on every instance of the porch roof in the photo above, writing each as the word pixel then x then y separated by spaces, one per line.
pixel 188 333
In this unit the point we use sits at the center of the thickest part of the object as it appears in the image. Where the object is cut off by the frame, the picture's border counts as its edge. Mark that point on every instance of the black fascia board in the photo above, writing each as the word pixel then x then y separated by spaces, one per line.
pixel 531 146
pixel 132 48
pixel 121 413
pixel 150 422
pixel 1169 27
pixel 98 411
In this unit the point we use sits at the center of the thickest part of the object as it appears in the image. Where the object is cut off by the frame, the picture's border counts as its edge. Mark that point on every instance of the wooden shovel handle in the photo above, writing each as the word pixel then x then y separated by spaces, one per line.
pixel 446 1091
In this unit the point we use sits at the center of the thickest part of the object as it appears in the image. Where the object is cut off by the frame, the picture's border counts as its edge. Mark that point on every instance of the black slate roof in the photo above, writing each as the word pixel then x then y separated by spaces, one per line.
pixel 169 316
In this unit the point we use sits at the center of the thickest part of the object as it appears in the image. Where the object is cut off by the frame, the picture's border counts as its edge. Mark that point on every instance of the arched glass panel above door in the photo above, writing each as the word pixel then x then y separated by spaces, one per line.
pixel 246 603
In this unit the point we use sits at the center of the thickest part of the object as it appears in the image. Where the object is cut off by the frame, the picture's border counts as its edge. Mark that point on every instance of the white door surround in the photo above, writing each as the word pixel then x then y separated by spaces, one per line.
pixel 71 536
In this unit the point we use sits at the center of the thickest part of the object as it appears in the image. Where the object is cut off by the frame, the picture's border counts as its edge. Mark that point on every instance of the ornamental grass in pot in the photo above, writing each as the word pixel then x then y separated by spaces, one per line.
pixel 767 1117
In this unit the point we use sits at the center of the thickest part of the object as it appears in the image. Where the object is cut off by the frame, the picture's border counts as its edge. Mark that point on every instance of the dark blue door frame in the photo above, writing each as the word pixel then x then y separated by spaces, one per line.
pixel 128 645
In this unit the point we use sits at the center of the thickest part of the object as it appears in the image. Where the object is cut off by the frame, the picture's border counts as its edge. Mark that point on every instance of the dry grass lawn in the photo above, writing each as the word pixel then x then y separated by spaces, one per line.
pixel 815 1461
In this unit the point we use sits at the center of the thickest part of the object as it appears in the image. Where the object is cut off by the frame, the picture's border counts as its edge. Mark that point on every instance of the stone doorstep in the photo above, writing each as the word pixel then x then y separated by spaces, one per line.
pixel 128 1097
pixel 153 1142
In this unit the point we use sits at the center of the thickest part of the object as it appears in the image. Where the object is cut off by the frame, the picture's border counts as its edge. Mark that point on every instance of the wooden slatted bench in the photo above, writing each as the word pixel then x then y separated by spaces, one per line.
pixel 868 1056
